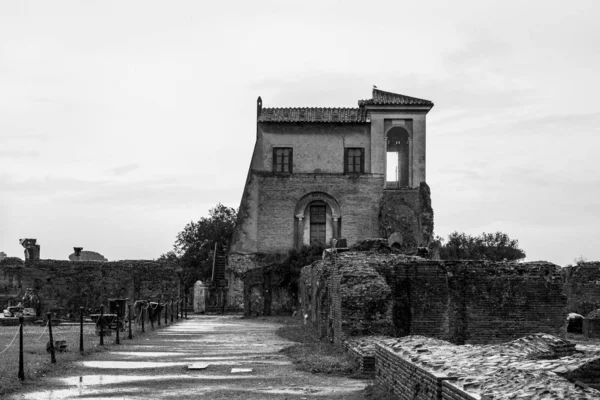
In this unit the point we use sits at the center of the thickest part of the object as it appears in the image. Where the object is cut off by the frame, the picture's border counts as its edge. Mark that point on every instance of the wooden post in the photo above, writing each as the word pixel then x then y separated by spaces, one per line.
pixel 52 355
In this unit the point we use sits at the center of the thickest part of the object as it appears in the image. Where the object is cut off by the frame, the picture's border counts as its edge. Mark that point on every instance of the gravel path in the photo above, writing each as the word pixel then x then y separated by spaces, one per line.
pixel 156 367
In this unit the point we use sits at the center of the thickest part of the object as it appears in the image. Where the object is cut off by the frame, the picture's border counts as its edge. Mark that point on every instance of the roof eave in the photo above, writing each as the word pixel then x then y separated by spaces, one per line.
pixel 397 107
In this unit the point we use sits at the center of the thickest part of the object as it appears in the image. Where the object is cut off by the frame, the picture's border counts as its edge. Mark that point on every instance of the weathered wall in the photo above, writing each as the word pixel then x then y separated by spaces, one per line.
pixel 358 197
pixel 406 217
pixel 384 120
pixel 67 285
pixel 266 292
pixel 582 287
pixel 317 146
pixel 459 301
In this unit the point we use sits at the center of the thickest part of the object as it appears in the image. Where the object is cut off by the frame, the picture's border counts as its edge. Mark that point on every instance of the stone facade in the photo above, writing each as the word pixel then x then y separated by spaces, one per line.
pixel 458 301
pixel 319 174
pixel 64 286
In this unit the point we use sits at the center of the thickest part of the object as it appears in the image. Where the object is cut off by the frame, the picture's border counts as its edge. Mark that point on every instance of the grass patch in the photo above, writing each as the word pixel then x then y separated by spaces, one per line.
pixel 36 360
pixel 378 392
pixel 312 354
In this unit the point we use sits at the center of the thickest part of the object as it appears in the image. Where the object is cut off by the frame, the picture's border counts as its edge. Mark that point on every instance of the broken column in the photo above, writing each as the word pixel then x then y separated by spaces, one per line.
pixel 77 251
pixel 32 250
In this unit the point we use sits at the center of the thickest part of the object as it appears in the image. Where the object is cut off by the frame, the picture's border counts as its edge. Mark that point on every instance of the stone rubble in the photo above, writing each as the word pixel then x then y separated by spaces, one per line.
pixel 535 366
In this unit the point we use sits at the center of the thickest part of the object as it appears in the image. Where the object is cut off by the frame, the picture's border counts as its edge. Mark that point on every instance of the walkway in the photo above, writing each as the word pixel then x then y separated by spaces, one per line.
pixel 156 367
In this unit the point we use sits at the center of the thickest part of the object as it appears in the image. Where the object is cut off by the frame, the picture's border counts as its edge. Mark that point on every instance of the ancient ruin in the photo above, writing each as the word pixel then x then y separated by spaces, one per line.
pixel 61 286
pixel 319 174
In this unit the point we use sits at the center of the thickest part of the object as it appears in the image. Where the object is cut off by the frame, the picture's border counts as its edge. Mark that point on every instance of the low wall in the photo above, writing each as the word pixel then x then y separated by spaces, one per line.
pixel 459 301
pixel 408 381
pixel 534 367
pixel 64 286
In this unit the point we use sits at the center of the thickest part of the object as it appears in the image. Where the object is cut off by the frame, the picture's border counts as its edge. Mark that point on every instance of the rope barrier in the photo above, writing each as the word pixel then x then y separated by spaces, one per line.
pixel 11 342
pixel 43 331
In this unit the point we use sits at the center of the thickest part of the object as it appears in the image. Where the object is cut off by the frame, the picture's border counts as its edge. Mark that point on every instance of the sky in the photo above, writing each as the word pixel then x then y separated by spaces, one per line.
pixel 122 121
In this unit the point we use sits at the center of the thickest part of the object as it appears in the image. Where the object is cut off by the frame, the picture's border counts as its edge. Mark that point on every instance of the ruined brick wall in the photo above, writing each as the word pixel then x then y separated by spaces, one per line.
pixel 67 285
pixel 582 287
pixel 477 302
pixel 267 292
pixel 506 301
pixel 459 301
pixel 406 217
pixel 405 379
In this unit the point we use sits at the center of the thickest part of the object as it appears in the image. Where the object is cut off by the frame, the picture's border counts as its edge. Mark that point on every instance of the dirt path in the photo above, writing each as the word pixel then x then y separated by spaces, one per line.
pixel 156 367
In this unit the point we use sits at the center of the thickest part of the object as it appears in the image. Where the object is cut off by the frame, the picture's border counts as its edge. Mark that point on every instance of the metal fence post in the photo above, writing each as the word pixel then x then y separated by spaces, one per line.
pixel 118 326
pixel 52 355
pixel 101 322
pixel 21 370
pixel 81 330
pixel 130 334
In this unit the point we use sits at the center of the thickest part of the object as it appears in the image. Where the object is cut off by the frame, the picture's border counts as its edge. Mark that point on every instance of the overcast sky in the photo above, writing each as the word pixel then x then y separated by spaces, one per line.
pixel 121 121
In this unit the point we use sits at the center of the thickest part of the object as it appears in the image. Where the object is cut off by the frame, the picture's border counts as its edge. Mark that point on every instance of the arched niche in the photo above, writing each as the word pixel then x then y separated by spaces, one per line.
pixel 313 210
pixel 397 174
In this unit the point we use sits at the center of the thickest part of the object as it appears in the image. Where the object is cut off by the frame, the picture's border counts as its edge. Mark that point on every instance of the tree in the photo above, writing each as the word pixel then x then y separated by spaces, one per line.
pixel 194 245
pixel 2 255
pixel 487 246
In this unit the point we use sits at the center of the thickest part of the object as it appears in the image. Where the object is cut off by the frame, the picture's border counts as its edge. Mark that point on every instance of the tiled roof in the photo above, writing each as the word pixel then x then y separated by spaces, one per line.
pixel 381 97
pixel 341 115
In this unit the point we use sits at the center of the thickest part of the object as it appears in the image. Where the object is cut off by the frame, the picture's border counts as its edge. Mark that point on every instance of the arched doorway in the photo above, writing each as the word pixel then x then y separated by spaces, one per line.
pixel 397 160
pixel 317 219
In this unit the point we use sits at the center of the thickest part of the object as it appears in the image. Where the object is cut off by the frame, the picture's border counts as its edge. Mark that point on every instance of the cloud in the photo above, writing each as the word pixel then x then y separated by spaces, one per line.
pixel 19 154
pixel 124 169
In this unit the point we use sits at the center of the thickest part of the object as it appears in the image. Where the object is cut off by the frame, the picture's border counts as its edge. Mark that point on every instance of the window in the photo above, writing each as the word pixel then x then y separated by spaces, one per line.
pixel 354 160
pixel 397 169
pixel 318 225
pixel 282 159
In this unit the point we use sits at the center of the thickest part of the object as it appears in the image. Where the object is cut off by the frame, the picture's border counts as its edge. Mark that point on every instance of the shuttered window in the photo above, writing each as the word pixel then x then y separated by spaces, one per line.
pixel 354 160
pixel 283 159
pixel 318 225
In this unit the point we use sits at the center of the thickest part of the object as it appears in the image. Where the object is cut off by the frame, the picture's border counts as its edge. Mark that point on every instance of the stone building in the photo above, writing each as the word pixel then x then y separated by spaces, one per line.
pixel 323 173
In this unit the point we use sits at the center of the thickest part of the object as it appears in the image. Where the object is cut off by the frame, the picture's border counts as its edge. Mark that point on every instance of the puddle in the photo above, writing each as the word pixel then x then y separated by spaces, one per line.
pixel 149 353
pixel 129 364
pixel 234 362
pixel 314 390
pixel 95 380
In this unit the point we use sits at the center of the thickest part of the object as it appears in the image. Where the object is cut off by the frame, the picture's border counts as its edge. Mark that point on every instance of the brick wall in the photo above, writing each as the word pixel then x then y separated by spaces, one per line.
pixel 67 285
pixel 459 301
pixel 278 195
pixel 582 287
pixel 406 379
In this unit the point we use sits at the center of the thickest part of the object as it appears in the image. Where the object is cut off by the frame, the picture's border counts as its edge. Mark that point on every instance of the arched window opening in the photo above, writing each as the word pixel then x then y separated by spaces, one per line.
pixel 397 158
pixel 317 219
